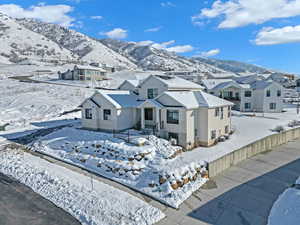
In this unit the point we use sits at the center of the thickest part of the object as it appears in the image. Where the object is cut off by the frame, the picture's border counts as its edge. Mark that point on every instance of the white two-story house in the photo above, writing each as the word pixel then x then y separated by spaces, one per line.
pixel 170 107
pixel 248 94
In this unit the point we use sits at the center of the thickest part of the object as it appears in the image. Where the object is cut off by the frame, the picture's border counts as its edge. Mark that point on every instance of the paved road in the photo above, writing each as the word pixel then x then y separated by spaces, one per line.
pixel 242 195
pixel 19 205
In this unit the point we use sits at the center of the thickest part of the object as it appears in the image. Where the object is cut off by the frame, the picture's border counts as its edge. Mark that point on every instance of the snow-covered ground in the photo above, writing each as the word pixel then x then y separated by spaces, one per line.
pixel 248 129
pixel 144 164
pixel 286 210
pixel 90 201
pixel 23 103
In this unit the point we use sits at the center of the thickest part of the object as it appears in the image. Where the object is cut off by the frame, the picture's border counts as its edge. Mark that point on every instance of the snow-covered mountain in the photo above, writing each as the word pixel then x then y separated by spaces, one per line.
pixel 233 66
pixel 18 43
pixel 84 47
pixel 148 57
pixel 31 39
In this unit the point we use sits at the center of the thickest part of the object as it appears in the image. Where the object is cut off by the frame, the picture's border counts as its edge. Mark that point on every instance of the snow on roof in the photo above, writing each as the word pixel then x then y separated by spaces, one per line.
pixel 222 75
pixel 196 99
pixel 134 83
pixel 174 82
pixel 90 68
pixel 212 83
pixel 152 102
pixel 246 79
pixel 262 84
pixel 121 99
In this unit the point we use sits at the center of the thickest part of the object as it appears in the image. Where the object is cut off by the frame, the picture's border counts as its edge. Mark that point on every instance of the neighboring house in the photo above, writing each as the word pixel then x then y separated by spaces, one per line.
pixel 286 80
pixel 170 107
pixel 154 85
pixel 83 73
pixel 130 85
pixel 249 94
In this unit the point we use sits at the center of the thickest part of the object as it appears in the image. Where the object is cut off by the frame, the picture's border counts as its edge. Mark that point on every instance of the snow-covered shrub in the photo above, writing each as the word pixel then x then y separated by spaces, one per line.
pixel 279 129
pixel 294 123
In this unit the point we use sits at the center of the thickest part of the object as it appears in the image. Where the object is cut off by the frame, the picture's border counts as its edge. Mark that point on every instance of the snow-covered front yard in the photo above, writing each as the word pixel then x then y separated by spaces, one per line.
pixel 91 202
pixel 286 210
pixel 144 164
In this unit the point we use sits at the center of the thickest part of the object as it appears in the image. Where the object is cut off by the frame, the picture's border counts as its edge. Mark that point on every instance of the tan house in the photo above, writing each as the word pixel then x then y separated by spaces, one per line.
pixel 188 115
pixel 84 73
pixel 193 118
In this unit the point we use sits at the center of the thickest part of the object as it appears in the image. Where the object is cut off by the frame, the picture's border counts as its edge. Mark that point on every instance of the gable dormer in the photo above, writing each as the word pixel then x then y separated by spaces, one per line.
pixel 156 85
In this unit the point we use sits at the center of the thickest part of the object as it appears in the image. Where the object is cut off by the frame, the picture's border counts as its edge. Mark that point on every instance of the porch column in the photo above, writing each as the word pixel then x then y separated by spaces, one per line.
pixel 142 118
pixel 157 119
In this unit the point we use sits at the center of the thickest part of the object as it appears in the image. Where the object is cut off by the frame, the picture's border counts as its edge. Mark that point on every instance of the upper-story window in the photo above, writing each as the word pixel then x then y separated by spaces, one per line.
pixel 268 94
pixel 173 116
pixel 217 112
pixel 279 93
pixel 152 93
pixel 88 114
pixel 222 113
pixel 248 93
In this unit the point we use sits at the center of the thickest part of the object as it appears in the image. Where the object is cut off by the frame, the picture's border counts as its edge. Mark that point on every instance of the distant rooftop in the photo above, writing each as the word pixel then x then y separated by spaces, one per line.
pixel 90 68
pixel 196 99
pixel 174 82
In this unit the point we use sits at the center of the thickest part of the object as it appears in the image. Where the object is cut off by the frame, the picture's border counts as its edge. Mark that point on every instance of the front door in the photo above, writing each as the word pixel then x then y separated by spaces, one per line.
pixel 149 114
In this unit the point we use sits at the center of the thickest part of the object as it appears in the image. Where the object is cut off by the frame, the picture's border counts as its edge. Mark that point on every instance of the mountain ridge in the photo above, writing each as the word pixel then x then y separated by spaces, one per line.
pixel 29 38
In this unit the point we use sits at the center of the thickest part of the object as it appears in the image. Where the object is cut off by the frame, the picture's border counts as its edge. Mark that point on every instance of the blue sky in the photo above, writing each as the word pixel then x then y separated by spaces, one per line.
pixel 265 33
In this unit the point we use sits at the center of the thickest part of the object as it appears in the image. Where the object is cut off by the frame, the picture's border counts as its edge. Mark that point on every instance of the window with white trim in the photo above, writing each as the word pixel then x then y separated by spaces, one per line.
pixel 272 106
pixel 88 114
pixel 247 105
pixel 106 114
pixel 152 93
pixel 173 116
pixel 213 134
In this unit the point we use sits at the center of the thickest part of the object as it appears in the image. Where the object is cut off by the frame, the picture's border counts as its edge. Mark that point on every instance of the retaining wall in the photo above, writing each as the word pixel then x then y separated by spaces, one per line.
pixel 260 146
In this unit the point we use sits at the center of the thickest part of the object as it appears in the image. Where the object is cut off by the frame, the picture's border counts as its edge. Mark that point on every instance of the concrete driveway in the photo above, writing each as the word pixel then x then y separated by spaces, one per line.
pixel 19 205
pixel 242 195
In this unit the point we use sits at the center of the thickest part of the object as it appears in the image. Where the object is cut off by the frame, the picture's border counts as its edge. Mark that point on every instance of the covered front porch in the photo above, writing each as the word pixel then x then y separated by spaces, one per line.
pixel 151 115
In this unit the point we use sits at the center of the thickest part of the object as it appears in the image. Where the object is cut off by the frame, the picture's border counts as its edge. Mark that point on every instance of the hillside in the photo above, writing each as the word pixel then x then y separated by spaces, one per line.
pixel 39 41
pixel 86 48
pixel 233 66
pixel 18 43
pixel 149 58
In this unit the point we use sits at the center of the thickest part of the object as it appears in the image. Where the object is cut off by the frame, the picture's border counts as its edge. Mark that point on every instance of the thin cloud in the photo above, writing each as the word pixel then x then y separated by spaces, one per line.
pixel 117 33
pixel 167 4
pixel 96 17
pixel 181 48
pixel 167 46
pixel 154 29
pixel 47 13
pixel 210 53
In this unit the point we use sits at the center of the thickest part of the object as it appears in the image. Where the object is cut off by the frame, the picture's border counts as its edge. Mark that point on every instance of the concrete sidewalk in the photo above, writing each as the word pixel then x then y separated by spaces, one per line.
pixel 243 194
